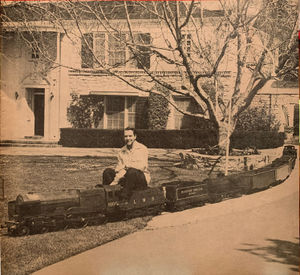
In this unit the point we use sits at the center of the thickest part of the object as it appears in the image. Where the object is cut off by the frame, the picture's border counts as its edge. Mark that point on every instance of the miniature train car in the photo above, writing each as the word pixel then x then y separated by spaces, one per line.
pixel 185 194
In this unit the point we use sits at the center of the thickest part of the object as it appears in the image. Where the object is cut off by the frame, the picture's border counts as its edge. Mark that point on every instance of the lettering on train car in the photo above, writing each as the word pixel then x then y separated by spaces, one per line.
pixel 184 193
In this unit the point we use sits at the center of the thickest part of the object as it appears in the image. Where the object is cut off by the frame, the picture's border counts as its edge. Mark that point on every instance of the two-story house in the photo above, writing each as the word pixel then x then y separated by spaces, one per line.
pixel 47 58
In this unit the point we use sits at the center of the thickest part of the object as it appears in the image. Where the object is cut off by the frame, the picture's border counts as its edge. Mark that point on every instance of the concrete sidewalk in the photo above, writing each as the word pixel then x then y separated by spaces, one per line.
pixel 162 154
pixel 235 236
pixel 100 152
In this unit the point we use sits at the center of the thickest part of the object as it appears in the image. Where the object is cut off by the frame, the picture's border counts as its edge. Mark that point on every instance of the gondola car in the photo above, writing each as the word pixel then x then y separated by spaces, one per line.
pixel 185 194
pixel 259 179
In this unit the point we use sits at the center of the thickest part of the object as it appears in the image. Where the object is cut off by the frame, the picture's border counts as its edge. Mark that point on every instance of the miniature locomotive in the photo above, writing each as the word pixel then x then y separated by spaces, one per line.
pixel 43 212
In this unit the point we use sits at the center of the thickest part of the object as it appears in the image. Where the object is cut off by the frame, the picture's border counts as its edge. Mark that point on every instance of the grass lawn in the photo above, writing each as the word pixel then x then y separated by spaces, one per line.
pixel 22 174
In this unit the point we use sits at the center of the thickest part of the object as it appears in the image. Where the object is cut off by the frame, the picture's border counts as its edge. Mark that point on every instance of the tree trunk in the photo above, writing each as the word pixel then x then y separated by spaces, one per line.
pixel 224 133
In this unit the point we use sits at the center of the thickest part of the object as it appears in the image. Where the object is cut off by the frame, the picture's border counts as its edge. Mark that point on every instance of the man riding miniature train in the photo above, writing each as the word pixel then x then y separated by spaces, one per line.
pixel 131 171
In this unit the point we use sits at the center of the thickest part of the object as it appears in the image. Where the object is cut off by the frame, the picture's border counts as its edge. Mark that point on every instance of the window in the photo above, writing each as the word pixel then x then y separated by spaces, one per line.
pixel 185 121
pixel 112 50
pixel 99 45
pixel 121 112
pixel 87 51
pixel 143 52
pixel 131 109
pixel 115 112
pixel 116 50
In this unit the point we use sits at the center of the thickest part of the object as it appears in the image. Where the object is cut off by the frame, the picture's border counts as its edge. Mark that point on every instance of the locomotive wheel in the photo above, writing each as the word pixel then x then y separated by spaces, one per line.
pixel 23 230
pixel 84 222
pixel 44 229
pixel 215 199
pixel 181 207
pixel 152 211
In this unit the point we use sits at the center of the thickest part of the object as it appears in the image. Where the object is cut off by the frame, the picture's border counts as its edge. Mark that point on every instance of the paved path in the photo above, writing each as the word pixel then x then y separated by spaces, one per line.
pixel 168 154
pixel 252 235
pixel 82 152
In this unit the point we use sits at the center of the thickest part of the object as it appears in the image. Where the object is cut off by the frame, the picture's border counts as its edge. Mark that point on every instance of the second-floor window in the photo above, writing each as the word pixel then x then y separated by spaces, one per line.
pixel 116 50
pixel 103 48
pixel 142 40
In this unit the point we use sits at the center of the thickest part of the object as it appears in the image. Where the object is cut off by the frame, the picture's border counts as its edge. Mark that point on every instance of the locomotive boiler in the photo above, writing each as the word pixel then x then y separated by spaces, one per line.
pixel 43 212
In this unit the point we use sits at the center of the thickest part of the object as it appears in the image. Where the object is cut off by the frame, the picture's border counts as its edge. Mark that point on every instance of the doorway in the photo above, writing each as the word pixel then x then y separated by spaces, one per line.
pixel 36 101
pixel 39 108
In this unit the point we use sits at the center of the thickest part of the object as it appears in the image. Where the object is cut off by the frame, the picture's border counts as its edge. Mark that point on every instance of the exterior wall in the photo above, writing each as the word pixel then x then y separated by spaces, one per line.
pixel 280 102
pixel 20 74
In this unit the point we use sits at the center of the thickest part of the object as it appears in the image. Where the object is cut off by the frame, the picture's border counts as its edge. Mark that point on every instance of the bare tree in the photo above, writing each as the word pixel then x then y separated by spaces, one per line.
pixel 222 52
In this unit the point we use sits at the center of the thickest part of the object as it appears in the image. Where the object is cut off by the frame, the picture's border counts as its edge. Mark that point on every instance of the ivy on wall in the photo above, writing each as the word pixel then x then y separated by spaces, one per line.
pixel 85 111
pixel 158 111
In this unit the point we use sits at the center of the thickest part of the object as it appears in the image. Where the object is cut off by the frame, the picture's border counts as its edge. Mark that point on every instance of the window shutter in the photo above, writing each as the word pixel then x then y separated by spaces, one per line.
pixel 143 53
pixel 87 51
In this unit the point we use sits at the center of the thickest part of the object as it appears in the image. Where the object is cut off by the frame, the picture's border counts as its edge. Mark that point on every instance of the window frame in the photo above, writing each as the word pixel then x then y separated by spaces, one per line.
pixel 190 106
pixel 126 112
pixel 107 50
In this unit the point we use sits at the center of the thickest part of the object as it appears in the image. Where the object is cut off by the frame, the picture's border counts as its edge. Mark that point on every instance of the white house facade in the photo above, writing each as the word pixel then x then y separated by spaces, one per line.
pixel 36 92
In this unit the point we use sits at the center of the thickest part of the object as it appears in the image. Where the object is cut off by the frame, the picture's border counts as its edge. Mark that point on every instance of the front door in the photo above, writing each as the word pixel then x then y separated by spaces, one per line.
pixel 39 110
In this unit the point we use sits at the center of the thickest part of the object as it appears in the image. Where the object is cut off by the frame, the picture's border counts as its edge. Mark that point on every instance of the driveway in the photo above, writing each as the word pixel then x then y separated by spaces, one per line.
pixel 254 234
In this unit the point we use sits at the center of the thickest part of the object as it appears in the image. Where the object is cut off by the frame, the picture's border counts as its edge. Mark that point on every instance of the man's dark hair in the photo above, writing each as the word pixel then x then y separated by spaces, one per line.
pixel 130 129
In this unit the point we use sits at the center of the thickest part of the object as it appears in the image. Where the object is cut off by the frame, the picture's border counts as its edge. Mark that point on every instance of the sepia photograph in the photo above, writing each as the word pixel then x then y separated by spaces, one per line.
pixel 143 137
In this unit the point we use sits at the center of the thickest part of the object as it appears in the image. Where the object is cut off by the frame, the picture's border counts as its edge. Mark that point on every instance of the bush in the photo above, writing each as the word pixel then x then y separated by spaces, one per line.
pixel 257 119
pixel 256 139
pixel 99 138
pixel 180 139
pixel 85 111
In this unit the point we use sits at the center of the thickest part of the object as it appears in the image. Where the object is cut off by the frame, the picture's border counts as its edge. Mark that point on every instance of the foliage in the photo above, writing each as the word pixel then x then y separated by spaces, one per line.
pixel 256 139
pixel 278 17
pixel 102 138
pixel 180 139
pixel 158 111
pixel 257 119
pixel 85 111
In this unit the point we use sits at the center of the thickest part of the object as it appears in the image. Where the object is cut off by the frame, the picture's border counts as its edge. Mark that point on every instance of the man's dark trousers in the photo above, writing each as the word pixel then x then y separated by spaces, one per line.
pixel 134 179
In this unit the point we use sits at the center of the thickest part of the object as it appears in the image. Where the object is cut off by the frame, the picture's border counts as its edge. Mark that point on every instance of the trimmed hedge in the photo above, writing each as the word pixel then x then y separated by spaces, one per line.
pixel 178 139
pixel 100 138
pixel 257 139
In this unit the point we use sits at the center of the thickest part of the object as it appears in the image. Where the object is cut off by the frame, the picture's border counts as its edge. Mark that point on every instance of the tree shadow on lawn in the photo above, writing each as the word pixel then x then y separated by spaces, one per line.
pixel 279 251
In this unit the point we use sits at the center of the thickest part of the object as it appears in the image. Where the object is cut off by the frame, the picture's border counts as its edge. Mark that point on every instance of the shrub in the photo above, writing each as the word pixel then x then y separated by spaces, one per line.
pixel 256 139
pixel 85 111
pixel 151 138
pixel 257 119
pixel 181 139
